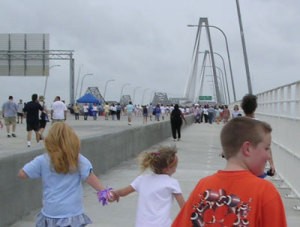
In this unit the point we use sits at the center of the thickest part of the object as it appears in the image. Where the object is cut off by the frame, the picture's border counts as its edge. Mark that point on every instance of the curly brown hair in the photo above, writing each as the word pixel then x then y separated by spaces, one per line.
pixel 159 160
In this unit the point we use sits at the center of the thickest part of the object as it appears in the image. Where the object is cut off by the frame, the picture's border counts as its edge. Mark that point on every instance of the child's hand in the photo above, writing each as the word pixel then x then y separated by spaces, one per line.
pixel 113 196
pixel 107 195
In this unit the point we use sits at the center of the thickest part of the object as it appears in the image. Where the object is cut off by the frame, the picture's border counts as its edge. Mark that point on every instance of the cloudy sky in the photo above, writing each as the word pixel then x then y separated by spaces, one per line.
pixel 147 43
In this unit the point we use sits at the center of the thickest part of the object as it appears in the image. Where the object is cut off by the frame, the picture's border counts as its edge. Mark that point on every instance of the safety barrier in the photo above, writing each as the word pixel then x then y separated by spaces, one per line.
pixel 281 108
pixel 18 198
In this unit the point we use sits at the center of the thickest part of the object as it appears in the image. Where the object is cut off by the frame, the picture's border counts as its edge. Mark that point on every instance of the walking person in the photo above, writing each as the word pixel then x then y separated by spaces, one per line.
pixel 156 190
pixel 58 111
pixel 9 113
pixel 106 110
pixel 129 110
pixel 43 117
pixel 62 169
pixel 31 111
pixel 211 114
pixel 157 112
pixel 226 114
pixel 197 114
pixel 163 111
pixel 145 114
pixel 205 113
pixel 119 109
pixel 236 112
pixel 95 111
pixel 249 105
pixel 217 114
pixel 76 110
pixel 235 196
pixel 85 111
pixel 20 113
pixel 113 111
pixel 176 122
pixel 150 111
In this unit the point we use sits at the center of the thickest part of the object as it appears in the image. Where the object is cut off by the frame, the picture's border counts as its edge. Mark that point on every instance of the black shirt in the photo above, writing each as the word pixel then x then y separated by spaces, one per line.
pixel 32 111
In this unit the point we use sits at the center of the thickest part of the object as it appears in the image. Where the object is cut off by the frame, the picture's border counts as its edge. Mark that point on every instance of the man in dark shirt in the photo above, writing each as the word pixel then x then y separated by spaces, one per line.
pixel 31 111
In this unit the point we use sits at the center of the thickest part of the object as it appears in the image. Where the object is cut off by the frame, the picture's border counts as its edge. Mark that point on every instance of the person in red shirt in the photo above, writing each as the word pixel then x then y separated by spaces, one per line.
pixel 235 196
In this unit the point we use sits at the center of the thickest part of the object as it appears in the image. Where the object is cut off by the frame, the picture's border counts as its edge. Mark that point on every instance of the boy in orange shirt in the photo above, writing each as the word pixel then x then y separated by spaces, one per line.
pixel 235 196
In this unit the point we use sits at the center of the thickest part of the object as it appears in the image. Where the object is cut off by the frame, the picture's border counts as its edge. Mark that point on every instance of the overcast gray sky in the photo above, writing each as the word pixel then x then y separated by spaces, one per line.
pixel 147 43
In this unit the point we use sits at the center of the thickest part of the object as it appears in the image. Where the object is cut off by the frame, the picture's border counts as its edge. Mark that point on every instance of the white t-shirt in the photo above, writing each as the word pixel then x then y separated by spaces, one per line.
pixel 155 199
pixel 59 109
pixel 85 108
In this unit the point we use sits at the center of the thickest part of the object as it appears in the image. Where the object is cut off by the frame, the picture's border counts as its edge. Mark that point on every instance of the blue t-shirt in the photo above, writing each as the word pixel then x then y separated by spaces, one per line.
pixel 130 108
pixel 62 193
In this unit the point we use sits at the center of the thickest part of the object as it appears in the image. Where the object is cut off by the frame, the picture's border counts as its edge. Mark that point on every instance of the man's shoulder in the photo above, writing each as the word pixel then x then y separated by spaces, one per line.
pixel 28 104
pixel 58 103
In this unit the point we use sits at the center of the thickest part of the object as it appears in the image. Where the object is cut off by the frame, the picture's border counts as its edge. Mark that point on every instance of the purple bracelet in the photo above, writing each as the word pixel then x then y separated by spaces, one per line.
pixel 104 195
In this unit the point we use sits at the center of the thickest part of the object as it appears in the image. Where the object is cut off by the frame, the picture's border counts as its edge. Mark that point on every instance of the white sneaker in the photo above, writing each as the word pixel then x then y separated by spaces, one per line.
pixel 28 144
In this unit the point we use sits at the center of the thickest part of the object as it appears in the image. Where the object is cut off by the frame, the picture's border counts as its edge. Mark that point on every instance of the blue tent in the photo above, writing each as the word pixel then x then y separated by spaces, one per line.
pixel 88 98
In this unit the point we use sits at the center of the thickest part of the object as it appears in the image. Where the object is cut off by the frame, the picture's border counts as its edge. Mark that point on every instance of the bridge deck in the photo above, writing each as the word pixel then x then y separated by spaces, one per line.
pixel 199 152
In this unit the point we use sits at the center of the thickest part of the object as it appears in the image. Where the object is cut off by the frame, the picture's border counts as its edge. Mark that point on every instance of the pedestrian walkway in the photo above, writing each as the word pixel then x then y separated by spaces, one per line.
pixel 9 146
pixel 198 153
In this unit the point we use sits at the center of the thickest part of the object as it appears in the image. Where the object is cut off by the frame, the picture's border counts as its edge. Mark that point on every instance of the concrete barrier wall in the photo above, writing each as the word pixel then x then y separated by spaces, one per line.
pixel 18 197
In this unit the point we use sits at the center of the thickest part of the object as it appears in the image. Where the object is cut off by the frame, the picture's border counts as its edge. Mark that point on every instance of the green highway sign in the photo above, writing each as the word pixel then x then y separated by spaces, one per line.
pixel 205 98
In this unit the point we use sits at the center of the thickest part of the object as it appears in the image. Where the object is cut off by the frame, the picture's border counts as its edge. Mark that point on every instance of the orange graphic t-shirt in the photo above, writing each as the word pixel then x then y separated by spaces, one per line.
pixel 232 198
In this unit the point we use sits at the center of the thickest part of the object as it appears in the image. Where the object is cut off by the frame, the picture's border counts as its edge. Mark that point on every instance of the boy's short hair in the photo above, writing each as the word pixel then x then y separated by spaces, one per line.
pixel 249 103
pixel 239 130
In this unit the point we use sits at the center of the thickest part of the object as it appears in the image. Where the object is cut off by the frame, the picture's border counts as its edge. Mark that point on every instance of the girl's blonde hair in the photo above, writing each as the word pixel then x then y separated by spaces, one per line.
pixel 63 146
pixel 159 160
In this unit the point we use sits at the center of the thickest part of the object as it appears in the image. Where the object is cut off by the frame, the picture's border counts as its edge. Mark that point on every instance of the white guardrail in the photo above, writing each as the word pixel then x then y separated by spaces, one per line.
pixel 280 107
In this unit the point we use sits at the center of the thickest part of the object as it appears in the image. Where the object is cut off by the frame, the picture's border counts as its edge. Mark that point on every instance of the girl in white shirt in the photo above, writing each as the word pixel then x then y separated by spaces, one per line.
pixel 157 189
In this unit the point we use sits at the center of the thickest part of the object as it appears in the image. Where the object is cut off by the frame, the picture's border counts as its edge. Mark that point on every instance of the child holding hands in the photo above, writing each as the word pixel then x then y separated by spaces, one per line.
pixel 62 170
pixel 156 190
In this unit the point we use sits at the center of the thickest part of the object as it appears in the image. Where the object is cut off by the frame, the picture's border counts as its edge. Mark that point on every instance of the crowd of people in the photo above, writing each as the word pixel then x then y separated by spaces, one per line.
pixel 114 111
pixel 36 114
pixel 214 113
pixel 234 196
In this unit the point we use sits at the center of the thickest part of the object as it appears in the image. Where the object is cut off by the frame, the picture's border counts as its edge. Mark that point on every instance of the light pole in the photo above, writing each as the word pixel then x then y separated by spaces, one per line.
pixel 106 87
pixel 228 53
pixel 77 82
pixel 124 85
pixel 85 75
pixel 144 95
pixel 46 81
pixel 133 96
pixel 244 48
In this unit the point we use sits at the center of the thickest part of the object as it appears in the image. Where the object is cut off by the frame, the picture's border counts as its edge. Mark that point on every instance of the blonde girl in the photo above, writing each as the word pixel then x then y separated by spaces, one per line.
pixel 62 169
pixel 156 190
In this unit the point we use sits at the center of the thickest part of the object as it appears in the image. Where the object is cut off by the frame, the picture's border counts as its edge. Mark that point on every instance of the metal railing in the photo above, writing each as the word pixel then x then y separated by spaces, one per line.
pixel 281 108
